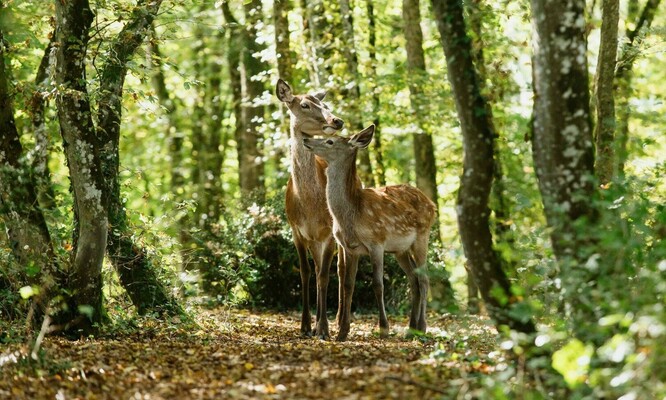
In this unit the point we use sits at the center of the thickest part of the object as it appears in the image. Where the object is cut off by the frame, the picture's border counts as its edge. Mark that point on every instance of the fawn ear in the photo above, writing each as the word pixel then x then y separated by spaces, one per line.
pixel 283 91
pixel 363 138
pixel 320 95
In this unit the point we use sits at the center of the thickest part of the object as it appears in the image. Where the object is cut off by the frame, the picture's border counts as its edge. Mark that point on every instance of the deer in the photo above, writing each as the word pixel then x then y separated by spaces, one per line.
pixel 305 200
pixel 372 221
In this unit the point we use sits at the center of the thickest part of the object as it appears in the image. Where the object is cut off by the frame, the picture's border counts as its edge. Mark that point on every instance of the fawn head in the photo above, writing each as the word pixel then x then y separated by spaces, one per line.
pixel 336 147
pixel 310 115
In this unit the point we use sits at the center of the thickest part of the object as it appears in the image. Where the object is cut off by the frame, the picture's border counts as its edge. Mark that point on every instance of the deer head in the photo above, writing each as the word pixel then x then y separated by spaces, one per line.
pixel 310 116
pixel 334 148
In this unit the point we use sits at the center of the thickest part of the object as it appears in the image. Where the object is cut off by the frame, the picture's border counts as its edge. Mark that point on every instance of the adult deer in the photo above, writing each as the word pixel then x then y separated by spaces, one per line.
pixel 394 219
pixel 306 207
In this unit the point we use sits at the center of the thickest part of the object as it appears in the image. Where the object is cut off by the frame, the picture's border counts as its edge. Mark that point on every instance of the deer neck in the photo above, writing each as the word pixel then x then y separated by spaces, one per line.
pixel 343 193
pixel 303 166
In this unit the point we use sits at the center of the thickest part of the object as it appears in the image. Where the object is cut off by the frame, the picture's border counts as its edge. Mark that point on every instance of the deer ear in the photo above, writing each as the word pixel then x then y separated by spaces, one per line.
pixel 363 138
pixel 320 95
pixel 283 91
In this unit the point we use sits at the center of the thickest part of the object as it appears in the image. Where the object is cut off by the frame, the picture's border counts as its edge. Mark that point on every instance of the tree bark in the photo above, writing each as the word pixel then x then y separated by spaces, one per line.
pixel 562 139
pixel 252 166
pixel 281 10
pixel 563 153
pixel 321 34
pixel 476 180
pixel 424 156
pixel 40 155
pixel 82 150
pixel 380 168
pixel 604 130
pixel 169 105
pixel 282 44
pixel 213 156
pixel 623 77
pixel 136 272
pixel 25 224
pixel 352 89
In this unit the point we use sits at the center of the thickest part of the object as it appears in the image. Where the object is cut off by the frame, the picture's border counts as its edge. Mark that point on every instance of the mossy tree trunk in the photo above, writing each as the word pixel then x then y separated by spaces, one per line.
pixel 82 149
pixel 476 180
pixel 135 269
pixel 28 234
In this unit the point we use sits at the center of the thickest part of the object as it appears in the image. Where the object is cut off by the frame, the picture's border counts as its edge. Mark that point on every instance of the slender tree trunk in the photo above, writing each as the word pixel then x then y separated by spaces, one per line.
pixel 476 180
pixel 40 155
pixel 213 156
pixel 252 168
pixel 235 44
pixel 169 105
pixel 604 130
pixel 282 44
pixel 320 51
pixel 82 150
pixel 623 77
pixel 353 90
pixel 199 134
pixel 426 172
pixel 380 168
pixel 135 269
pixel 285 61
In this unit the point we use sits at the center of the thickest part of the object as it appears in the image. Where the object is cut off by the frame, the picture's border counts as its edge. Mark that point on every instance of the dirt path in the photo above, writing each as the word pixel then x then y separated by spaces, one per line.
pixel 252 355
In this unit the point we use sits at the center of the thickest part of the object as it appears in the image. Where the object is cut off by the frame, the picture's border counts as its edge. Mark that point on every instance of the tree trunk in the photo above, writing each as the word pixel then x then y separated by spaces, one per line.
pixel 82 150
pixel 282 44
pixel 380 168
pixel 321 35
pixel 604 130
pixel 426 172
pixel 353 90
pixel 252 167
pixel 26 227
pixel 562 148
pixel 40 155
pixel 135 270
pixel 284 63
pixel 476 180
pixel 623 77
pixel 562 140
pixel 234 47
pixel 175 137
pixel 213 156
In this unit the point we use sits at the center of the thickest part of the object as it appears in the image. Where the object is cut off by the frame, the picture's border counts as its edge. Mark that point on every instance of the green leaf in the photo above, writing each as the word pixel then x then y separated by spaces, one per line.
pixel 573 362
pixel 87 310
pixel 28 291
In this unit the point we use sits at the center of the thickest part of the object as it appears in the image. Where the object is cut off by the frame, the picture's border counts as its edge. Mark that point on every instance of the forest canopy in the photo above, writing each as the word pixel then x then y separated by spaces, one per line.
pixel 152 165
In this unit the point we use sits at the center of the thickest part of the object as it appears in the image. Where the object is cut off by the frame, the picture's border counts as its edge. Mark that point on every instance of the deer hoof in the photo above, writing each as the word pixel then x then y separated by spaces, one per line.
pixel 383 333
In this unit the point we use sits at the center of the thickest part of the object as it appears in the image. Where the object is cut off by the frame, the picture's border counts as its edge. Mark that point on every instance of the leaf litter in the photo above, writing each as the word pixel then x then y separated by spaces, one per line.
pixel 242 354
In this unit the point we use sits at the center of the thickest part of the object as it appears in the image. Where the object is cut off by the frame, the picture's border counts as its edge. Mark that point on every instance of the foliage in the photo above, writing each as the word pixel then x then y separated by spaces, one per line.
pixel 251 260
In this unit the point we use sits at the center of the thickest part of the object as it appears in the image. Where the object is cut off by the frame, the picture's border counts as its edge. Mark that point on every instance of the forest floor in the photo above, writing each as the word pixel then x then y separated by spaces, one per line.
pixel 241 354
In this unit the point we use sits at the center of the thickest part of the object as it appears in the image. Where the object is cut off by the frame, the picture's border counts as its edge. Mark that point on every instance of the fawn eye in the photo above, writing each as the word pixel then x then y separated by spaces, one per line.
pixel 329 142
pixel 305 106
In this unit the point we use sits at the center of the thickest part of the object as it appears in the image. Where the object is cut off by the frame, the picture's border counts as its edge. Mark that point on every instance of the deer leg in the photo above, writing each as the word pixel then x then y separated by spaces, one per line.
pixel 341 282
pixel 304 267
pixel 377 258
pixel 407 265
pixel 323 271
pixel 419 258
pixel 351 264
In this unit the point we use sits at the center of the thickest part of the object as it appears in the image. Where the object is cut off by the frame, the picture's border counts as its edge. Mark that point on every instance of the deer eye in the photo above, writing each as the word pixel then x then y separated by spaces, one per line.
pixel 329 142
pixel 305 106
